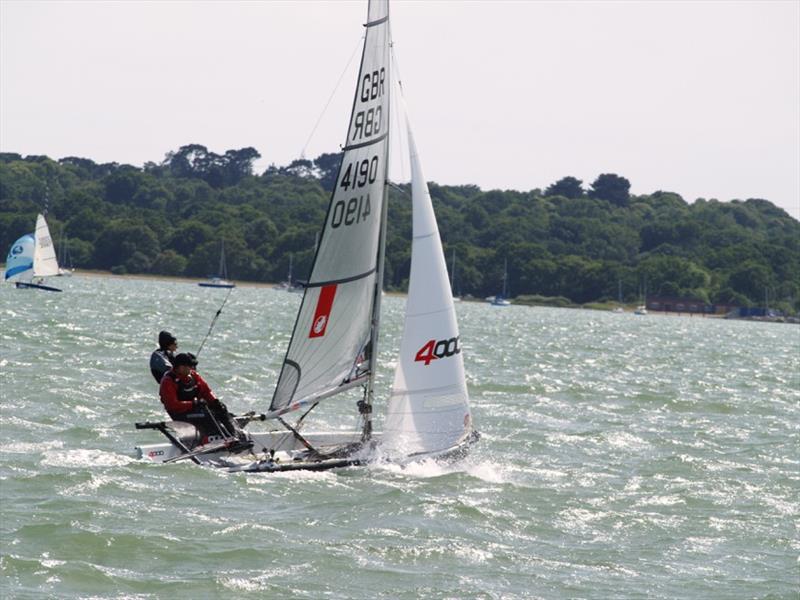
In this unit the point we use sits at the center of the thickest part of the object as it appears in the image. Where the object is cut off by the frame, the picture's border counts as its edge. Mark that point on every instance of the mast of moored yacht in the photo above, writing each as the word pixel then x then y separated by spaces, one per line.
pixel 223 270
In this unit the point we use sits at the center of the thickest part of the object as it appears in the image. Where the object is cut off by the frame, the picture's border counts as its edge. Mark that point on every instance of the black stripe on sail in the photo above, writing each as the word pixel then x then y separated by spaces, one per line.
pixel 378 22
pixel 368 143
pixel 344 280
pixel 285 380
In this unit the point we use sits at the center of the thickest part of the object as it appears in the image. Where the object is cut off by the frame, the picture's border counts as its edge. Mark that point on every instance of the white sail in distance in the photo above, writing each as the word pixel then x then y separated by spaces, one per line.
pixel 45 263
pixel 330 346
pixel 428 410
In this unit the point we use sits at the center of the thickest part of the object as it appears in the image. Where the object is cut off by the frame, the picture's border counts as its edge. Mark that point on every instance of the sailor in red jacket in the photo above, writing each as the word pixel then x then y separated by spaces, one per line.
pixel 187 397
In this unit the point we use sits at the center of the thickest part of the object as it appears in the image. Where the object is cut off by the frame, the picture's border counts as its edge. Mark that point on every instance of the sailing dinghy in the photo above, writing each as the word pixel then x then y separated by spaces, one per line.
pixel 501 300
pixel 221 279
pixel 32 258
pixel 332 356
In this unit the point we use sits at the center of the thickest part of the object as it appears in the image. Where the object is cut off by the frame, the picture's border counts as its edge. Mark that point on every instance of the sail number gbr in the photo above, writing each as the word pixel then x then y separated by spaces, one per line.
pixel 368 123
pixel 434 349
pixel 357 174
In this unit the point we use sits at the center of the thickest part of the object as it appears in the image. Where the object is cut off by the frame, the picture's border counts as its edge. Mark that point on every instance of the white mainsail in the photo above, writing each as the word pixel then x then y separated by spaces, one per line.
pixel 330 347
pixel 19 262
pixel 45 263
pixel 429 407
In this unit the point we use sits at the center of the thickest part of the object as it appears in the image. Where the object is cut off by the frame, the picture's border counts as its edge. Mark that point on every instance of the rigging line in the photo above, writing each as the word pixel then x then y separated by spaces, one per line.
pixel 299 421
pixel 333 93
pixel 400 189
pixel 298 437
pixel 401 130
pixel 213 322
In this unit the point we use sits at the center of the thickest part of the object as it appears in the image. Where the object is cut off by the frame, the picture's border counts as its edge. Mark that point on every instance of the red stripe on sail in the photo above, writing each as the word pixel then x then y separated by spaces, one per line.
pixel 323 312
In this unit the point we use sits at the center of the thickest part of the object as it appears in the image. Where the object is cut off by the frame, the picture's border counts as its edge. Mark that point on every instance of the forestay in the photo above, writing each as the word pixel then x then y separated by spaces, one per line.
pixel 19 263
pixel 45 263
pixel 429 407
pixel 330 346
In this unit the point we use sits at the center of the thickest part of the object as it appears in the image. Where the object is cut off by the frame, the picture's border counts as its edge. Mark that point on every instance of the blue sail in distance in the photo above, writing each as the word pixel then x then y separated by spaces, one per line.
pixel 20 257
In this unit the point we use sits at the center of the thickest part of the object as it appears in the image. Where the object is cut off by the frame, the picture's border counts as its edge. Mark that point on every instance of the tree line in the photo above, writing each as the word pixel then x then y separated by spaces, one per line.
pixel 583 243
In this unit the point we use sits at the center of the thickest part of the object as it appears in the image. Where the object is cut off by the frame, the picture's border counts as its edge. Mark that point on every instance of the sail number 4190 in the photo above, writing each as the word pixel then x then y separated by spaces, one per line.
pixel 434 349
pixel 353 211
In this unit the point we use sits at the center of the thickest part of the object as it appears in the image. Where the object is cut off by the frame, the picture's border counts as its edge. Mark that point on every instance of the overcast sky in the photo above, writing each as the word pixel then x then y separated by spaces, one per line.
pixel 700 98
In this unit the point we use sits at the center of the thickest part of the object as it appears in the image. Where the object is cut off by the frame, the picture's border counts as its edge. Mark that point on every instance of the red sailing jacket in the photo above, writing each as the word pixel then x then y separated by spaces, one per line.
pixel 178 393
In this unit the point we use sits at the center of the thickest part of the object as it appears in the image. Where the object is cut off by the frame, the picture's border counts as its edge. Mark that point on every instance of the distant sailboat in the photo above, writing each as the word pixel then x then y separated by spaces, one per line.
pixel 289 285
pixel 65 268
pixel 642 308
pixel 221 280
pixel 32 259
pixel 501 299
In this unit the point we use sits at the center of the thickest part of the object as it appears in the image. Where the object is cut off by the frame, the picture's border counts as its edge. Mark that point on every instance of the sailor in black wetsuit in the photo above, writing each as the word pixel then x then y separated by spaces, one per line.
pixel 162 357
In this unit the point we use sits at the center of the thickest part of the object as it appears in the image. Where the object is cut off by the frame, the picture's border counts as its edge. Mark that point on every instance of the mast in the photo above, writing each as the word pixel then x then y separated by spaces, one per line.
pixel 223 271
pixel 369 392
pixel 505 277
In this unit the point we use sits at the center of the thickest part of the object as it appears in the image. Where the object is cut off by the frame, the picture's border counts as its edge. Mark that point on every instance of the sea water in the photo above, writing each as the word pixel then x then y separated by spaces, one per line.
pixel 621 457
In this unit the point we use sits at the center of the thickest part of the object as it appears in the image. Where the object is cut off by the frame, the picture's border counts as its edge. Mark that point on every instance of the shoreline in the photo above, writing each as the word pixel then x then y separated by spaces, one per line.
pixel 257 284
pixel 169 278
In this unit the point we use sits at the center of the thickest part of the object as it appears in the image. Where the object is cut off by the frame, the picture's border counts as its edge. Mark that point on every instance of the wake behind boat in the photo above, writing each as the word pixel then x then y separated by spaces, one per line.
pixel 332 356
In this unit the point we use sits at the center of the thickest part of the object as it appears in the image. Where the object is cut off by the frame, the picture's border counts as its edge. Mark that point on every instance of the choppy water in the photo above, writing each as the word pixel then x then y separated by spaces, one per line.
pixel 622 457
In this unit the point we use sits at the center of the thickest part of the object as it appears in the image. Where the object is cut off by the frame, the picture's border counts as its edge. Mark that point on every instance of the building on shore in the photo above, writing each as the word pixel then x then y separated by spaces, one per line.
pixel 688 305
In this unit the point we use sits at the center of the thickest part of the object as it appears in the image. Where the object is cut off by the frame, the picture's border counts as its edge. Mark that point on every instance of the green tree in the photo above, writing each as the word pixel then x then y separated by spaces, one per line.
pixel 126 243
pixel 568 187
pixel 327 167
pixel 169 262
pixel 751 279
pixel 613 188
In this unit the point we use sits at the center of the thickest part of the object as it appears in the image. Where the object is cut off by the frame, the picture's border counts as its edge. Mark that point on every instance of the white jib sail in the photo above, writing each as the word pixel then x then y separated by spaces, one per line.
pixel 429 407
pixel 19 263
pixel 45 263
pixel 329 346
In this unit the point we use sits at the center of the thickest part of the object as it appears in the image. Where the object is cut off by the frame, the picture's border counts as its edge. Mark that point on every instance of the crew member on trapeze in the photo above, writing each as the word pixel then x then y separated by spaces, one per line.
pixel 187 397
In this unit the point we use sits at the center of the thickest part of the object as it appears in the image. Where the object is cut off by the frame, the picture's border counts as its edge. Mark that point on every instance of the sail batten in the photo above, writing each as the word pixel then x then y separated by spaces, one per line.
pixel 337 281
pixel 365 144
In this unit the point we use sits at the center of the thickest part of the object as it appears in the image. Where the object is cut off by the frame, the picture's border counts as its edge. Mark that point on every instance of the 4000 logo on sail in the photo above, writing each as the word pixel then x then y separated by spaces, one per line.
pixel 433 349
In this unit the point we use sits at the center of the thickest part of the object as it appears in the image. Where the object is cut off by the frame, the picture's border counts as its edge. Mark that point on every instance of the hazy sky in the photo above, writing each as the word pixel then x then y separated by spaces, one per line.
pixel 700 98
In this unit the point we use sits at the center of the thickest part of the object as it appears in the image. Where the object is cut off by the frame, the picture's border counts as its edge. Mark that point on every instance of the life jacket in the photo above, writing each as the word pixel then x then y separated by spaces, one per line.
pixel 160 363
pixel 187 390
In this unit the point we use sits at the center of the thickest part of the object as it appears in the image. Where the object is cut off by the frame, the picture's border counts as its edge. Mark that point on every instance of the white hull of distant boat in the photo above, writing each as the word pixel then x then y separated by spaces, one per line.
pixel 641 310
pixel 216 282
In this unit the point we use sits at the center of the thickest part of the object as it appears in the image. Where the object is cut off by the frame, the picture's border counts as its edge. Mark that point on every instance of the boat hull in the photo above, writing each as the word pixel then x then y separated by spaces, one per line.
pixel 37 286
pixel 217 285
pixel 280 451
